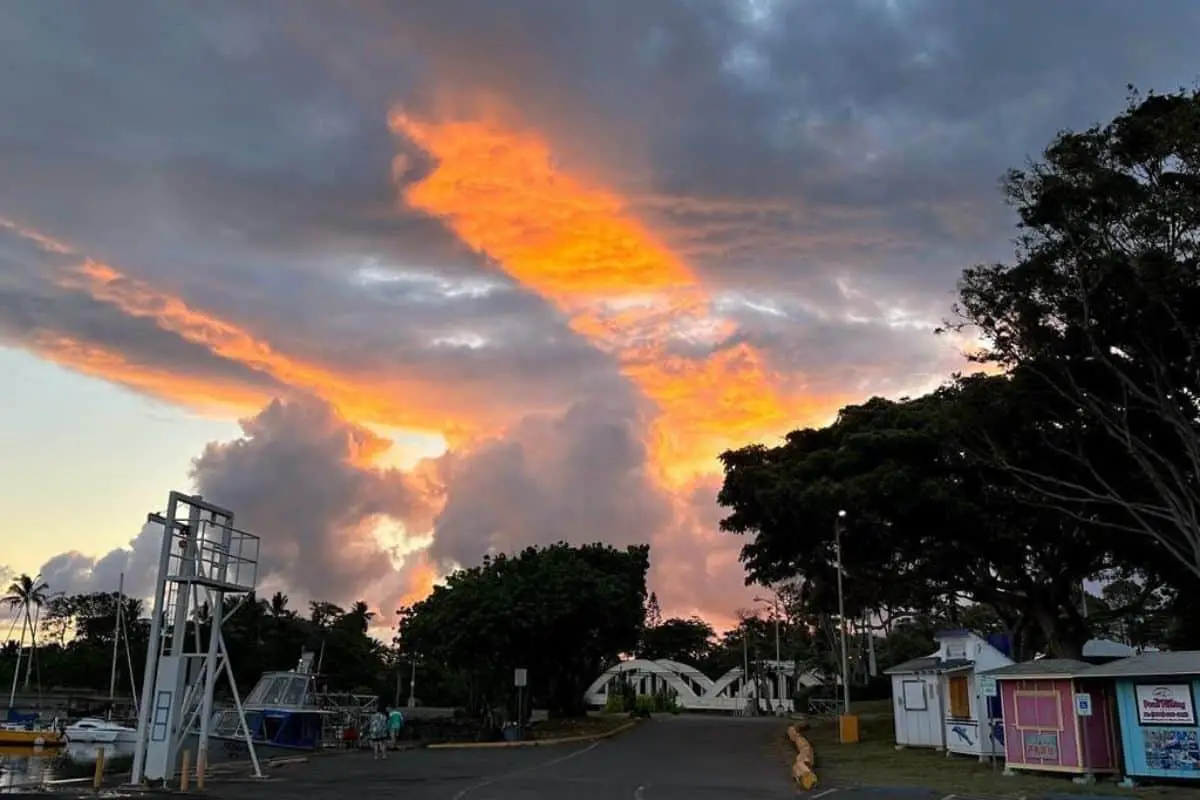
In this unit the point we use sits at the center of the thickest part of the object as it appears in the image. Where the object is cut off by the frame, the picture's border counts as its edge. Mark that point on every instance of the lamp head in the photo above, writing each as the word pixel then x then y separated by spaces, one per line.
pixel 842 513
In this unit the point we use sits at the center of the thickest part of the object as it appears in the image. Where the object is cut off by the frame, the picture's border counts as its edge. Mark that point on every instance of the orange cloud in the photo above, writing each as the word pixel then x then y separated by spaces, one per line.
pixel 420 576
pixel 577 245
pixel 41 240
pixel 207 394
pixel 385 400
pixel 379 399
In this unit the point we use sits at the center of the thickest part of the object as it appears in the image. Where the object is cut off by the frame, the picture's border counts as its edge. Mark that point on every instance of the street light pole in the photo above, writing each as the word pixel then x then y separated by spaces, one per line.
pixel 745 665
pixel 779 676
pixel 412 685
pixel 837 546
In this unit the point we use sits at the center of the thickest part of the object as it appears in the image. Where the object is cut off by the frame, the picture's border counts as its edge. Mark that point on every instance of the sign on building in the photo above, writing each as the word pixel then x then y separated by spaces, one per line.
pixel 1165 704
pixel 987 686
pixel 1040 746
pixel 1083 704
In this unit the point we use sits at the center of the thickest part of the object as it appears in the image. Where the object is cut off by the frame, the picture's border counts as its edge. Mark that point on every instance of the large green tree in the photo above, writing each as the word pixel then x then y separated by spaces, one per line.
pixel 1101 309
pixel 927 524
pixel 76 643
pixel 561 612
pixel 689 641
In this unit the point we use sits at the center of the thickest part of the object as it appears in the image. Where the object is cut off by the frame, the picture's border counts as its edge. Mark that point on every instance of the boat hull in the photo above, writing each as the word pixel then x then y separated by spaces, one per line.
pixel 228 749
pixel 102 736
pixel 23 738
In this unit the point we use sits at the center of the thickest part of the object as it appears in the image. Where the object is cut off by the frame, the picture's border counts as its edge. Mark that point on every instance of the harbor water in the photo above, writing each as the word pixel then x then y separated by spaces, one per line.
pixel 22 768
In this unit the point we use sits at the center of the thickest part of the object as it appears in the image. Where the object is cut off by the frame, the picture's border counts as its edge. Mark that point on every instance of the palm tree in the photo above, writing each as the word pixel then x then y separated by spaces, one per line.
pixel 323 614
pixel 279 606
pixel 26 596
pixel 362 610
pixel 359 616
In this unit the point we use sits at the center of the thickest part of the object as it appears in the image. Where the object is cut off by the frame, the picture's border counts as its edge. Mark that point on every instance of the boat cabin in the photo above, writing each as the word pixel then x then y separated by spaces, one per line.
pixel 281 710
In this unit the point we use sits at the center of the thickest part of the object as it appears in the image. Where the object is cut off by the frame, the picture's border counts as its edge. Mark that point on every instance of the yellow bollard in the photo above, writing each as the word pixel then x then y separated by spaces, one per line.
pixel 98 777
pixel 183 770
pixel 848 729
pixel 201 768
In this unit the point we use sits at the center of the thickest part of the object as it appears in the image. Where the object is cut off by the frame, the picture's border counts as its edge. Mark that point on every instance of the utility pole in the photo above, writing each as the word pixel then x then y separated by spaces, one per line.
pixel 837 546
pixel 745 662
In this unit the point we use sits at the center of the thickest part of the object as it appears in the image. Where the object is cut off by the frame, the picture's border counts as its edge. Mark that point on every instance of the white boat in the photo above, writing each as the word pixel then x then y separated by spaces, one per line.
pixel 93 730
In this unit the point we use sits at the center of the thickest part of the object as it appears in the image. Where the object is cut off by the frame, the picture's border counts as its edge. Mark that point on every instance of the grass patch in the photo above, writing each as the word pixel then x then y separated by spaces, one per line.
pixel 875 761
pixel 591 725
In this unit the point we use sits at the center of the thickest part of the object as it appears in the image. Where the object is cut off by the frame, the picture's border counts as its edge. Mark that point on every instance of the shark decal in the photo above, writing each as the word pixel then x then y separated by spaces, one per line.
pixel 962 733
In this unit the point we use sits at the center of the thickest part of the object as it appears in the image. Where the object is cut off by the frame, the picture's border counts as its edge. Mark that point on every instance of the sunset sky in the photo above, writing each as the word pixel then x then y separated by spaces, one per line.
pixel 402 283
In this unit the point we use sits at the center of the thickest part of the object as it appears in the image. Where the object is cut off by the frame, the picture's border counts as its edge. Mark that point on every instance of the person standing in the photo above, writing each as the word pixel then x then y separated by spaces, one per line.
pixel 377 729
pixel 395 725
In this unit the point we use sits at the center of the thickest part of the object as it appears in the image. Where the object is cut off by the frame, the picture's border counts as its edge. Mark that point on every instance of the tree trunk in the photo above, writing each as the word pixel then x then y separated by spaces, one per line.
pixel 1017 637
pixel 1065 638
pixel 32 647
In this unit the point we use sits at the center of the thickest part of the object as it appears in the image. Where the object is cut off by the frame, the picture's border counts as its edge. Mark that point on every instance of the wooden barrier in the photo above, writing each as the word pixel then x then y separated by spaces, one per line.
pixel 802 769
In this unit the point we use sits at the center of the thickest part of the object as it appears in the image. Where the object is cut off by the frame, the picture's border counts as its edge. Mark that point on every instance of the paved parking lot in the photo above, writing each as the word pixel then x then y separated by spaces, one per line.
pixel 670 758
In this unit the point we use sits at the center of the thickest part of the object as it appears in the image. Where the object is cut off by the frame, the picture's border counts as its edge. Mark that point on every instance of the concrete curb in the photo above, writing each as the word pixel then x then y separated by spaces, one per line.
pixel 802 769
pixel 591 737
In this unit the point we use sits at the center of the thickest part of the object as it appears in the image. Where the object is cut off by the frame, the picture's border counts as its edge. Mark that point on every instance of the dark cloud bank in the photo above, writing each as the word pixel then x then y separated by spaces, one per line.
pixel 837 160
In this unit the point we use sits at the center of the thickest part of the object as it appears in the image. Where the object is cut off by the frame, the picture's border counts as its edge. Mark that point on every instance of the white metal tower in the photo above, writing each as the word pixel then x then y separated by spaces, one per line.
pixel 203 560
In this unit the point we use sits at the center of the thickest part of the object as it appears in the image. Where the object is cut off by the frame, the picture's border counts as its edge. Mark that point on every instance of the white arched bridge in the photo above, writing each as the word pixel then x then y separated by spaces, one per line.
pixel 696 691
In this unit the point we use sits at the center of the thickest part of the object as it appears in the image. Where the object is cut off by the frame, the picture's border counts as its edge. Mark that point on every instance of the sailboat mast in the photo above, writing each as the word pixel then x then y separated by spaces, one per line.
pixel 112 678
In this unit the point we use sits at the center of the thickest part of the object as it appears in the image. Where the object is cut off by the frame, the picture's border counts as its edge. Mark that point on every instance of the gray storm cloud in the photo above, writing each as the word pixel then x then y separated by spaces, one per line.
pixel 296 478
pixel 580 476
pixel 836 162
pixel 857 142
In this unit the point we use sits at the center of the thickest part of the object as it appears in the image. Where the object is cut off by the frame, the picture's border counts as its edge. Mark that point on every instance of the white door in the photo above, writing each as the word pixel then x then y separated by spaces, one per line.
pixel 919 708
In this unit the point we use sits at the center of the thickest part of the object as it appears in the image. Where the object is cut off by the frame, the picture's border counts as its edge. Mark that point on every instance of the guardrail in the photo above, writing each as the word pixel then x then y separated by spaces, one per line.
pixel 820 706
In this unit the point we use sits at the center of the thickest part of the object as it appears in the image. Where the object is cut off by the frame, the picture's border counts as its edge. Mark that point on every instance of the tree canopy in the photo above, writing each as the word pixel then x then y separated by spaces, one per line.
pixel 563 613
pixel 1101 309
pixel 927 523
pixel 74 642
pixel 1010 490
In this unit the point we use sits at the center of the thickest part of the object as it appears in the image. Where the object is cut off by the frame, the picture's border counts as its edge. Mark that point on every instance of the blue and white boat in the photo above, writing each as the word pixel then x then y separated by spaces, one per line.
pixel 283 716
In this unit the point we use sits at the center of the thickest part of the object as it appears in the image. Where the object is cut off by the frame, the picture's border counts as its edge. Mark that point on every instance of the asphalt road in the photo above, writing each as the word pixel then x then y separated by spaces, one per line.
pixel 668 758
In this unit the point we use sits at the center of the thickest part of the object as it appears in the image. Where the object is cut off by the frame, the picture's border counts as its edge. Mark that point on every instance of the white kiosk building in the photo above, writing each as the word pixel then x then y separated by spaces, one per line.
pixel 938 699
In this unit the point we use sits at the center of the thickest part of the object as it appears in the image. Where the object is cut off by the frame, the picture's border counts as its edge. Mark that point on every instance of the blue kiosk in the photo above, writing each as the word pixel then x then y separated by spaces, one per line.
pixel 1157 697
